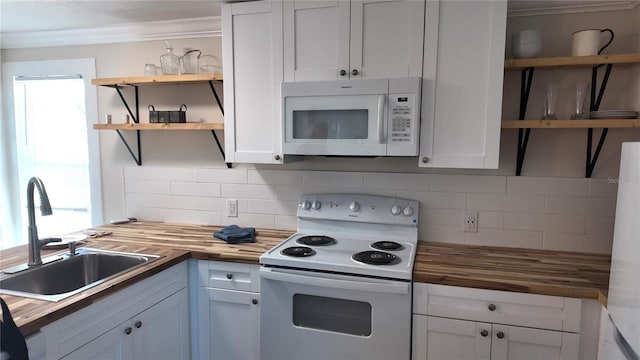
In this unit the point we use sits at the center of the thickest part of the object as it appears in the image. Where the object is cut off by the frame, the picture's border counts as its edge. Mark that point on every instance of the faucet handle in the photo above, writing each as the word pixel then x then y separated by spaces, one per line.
pixel 72 248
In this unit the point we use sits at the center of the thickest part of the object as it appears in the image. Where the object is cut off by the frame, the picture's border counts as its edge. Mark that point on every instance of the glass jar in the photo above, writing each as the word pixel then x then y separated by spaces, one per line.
pixel 169 61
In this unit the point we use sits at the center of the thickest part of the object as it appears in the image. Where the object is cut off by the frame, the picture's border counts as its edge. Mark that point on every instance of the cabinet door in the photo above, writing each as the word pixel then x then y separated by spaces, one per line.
pixel 162 331
pixel 115 344
pixel 513 343
pixel 316 40
pixel 462 86
pixel 453 339
pixel 386 38
pixel 253 71
pixel 234 321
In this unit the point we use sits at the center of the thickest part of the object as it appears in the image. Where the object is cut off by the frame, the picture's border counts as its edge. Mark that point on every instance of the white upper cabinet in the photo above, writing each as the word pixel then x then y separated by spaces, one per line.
pixel 252 57
pixel 338 40
pixel 462 86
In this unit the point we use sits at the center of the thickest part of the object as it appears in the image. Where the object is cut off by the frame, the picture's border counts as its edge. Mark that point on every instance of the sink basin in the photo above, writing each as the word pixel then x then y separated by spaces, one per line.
pixel 63 275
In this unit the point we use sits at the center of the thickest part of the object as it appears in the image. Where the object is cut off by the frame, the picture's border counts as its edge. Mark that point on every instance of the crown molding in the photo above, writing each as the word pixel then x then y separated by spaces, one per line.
pixel 581 7
pixel 143 31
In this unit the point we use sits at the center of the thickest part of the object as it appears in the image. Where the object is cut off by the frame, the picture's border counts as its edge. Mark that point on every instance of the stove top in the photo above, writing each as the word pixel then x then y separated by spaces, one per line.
pixel 352 234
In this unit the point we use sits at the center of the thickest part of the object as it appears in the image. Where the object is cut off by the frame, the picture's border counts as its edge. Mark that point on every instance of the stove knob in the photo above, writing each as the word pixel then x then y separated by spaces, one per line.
pixel 316 204
pixel 408 211
pixel 354 206
pixel 396 209
pixel 305 205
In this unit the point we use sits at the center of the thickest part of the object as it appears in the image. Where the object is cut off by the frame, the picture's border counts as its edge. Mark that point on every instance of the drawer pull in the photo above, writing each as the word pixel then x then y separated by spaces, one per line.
pixel 492 307
pixel 138 324
pixel 229 276
pixel 484 333
pixel 128 330
pixel 500 335
pixel 254 301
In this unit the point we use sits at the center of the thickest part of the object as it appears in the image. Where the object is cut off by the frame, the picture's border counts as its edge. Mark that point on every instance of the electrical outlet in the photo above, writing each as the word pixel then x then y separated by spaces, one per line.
pixel 232 208
pixel 471 221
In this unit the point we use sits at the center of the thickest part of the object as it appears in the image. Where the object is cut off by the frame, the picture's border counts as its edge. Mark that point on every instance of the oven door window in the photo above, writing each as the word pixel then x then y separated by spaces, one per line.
pixel 331 124
pixel 332 314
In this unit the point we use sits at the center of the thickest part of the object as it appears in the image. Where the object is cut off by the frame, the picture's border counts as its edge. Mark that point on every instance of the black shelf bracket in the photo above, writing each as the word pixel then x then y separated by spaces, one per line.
pixel 215 137
pixel 523 134
pixel 594 105
pixel 136 119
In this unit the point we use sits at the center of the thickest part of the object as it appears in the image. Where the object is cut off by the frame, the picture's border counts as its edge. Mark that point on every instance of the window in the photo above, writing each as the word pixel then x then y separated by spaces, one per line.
pixel 48 135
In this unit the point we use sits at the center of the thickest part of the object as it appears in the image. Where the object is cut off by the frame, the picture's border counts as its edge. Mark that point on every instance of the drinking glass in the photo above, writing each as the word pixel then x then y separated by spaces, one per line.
pixel 550 101
pixel 581 95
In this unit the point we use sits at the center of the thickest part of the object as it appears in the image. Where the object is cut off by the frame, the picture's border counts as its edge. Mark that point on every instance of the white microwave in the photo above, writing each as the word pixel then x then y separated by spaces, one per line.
pixel 377 117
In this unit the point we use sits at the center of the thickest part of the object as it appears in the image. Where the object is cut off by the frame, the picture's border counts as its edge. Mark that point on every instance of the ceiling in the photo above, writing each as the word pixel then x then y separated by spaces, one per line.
pixel 36 15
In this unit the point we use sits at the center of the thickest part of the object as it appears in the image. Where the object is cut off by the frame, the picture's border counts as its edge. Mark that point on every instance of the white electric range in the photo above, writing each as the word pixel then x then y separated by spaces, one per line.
pixel 340 287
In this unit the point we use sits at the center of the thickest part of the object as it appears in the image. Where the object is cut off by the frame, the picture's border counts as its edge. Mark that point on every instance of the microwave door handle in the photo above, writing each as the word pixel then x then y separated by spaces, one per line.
pixel 381 119
pixel 317 280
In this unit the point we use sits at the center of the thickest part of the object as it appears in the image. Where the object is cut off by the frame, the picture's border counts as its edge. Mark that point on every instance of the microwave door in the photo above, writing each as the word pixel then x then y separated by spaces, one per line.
pixel 335 125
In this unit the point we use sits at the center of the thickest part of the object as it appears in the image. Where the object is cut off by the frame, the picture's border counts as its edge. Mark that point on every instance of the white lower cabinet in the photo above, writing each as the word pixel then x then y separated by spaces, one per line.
pixel 461 339
pixel 149 320
pixel 160 332
pixel 229 311
pixel 462 323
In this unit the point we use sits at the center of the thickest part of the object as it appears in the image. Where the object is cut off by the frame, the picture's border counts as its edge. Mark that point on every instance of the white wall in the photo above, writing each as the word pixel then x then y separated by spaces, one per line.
pixel 552 153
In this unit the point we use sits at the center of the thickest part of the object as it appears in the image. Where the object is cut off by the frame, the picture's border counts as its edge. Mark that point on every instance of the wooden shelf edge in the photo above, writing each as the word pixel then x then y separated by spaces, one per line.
pixel 570 124
pixel 160 79
pixel 172 126
pixel 571 61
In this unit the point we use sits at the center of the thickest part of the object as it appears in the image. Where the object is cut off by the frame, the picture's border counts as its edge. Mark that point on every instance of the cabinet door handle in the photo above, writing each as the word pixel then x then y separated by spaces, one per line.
pixel 425 160
pixel 138 324
pixel 229 276
pixel 484 333
pixel 254 301
pixel 354 72
pixel 500 335
pixel 128 330
pixel 277 157
pixel 343 72
pixel 492 307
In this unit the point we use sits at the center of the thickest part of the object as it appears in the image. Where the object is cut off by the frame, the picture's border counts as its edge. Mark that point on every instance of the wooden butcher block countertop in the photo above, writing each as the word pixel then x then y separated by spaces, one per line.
pixel 521 270
pixel 175 242
pixel 544 272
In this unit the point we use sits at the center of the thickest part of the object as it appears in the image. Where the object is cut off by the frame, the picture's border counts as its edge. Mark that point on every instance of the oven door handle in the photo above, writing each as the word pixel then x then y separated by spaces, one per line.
pixel 395 287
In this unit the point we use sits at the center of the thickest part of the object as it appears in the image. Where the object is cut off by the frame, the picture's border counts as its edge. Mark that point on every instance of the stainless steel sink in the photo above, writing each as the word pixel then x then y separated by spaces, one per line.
pixel 65 275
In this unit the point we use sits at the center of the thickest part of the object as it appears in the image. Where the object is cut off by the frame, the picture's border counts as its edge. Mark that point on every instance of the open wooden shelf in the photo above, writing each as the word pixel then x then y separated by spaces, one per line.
pixel 571 61
pixel 570 124
pixel 163 126
pixel 157 80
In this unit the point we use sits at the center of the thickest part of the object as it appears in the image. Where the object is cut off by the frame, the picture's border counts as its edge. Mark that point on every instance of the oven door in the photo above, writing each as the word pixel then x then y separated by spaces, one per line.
pixel 335 125
pixel 312 315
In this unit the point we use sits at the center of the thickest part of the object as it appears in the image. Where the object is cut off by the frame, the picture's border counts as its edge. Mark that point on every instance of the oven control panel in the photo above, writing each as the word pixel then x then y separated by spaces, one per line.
pixel 359 208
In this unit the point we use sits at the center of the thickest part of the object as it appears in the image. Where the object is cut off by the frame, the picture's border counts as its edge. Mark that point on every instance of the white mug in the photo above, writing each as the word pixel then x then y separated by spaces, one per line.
pixel 587 42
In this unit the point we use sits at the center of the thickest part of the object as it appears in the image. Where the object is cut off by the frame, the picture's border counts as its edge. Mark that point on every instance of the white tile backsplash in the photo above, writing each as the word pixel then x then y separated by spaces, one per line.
pixel 547 186
pixel 395 181
pixel 469 183
pixel 195 188
pixel 544 222
pixel 571 214
pixel 230 176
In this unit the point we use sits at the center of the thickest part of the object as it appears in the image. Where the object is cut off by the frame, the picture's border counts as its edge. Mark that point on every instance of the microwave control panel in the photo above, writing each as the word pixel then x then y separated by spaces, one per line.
pixel 402 109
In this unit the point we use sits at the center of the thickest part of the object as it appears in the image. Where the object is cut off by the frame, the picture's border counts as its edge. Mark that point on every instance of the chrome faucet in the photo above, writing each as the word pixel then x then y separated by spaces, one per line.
pixel 35 244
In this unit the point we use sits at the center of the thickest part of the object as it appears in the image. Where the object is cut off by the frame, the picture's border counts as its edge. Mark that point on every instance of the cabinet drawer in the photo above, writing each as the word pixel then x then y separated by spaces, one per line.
pixel 227 275
pixel 502 307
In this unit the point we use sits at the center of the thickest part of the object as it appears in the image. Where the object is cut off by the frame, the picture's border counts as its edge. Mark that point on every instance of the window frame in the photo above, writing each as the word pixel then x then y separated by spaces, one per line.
pixel 13 225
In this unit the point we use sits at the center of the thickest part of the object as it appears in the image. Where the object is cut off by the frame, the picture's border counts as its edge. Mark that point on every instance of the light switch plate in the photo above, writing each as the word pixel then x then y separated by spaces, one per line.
pixel 232 208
